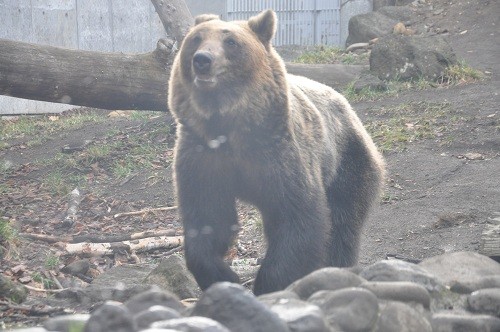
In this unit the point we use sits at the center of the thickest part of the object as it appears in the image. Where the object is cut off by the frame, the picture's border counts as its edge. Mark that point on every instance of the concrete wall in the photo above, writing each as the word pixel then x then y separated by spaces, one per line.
pixel 129 26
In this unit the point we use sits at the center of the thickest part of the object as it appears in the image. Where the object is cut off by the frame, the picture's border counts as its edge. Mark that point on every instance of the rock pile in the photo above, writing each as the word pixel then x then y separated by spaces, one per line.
pixel 452 292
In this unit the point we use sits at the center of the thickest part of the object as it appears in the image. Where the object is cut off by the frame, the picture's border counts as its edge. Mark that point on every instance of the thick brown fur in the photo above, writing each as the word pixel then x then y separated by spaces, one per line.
pixel 292 147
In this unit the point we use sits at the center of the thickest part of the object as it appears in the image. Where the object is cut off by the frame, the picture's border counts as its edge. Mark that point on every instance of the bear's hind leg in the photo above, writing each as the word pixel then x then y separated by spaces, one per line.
pixel 354 190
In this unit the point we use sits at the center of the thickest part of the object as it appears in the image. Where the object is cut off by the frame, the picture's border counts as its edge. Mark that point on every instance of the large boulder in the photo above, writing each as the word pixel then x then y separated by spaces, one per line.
pixel 411 57
pixel 365 27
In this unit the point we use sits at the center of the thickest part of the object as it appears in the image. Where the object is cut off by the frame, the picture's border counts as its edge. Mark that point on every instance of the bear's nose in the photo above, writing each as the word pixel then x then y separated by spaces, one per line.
pixel 202 62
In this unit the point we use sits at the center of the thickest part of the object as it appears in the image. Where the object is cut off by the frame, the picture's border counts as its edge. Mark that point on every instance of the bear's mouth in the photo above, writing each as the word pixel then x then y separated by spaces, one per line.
pixel 205 81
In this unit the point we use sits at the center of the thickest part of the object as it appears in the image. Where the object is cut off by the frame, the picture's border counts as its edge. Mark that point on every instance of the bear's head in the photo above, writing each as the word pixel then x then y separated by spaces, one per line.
pixel 220 56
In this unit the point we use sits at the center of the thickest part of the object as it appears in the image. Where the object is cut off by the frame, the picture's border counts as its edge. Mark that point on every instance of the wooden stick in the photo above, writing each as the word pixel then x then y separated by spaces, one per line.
pixel 134 213
pixel 54 279
pixel 44 290
pixel 98 238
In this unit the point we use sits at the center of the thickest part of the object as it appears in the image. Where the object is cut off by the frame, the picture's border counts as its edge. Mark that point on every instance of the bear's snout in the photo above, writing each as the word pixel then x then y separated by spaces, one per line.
pixel 202 62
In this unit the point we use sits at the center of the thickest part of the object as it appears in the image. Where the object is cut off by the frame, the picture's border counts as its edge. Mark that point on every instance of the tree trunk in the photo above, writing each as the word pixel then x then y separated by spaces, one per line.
pixel 175 17
pixel 84 78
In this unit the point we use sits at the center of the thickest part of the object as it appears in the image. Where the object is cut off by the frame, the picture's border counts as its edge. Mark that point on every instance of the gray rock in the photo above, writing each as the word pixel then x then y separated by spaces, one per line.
pixel 457 322
pixel 116 284
pixel 77 267
pixel 402 291
pixel 301 316
pixel 191 324
pixel 128 275
pixel 399 317
pixel 237 309
pixel 467 286
pixel 154 314
pixel 396 270
pixel 276 297
pixel 330 278
pixel 66 323
pixel 464 272
pixel 111 316
pixel 369 81
pixel 364 27
pixel 411 57
pixel 93 293
pixel 352 309
pixel 145 300
pixel 486 301
pixel 14 291
pixel 172 275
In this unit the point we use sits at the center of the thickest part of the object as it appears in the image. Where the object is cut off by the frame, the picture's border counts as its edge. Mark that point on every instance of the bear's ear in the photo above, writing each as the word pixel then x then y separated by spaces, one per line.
pixel 204 18
pixel 264 25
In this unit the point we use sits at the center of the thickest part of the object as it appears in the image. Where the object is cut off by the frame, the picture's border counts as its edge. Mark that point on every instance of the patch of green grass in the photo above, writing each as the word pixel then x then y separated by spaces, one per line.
pixel 96 152
pixel 8 236
pixel 407 123
pixel 60 183
pixel 51 262
pixel 327 54
pixel 366 93
pixel 393 87
pixel 139 157
pixel 320 54
pixel 24 125
pixel 7 232
pixel 38 128
pixel 144 115
pixel 46 282
pixel 4 189
pixel 123 168
pixel 461 73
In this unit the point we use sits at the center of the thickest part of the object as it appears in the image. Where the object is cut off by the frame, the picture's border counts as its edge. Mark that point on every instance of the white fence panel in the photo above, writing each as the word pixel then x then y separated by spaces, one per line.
pixel 300 22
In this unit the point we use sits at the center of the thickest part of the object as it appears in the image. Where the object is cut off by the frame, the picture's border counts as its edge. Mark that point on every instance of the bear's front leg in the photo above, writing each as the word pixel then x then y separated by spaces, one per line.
pixel 296 225
pixel 207 210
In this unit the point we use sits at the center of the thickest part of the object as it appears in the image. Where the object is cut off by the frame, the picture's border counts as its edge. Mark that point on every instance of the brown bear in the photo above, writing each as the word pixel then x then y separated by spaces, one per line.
pixel 290 146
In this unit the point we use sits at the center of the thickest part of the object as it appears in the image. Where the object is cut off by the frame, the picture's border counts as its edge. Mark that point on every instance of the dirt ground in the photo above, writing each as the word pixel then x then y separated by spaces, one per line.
pixel 442 187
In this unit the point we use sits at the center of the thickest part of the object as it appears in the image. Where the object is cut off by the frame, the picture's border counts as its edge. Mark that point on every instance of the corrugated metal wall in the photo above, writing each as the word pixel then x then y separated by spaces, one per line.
pixel 300 22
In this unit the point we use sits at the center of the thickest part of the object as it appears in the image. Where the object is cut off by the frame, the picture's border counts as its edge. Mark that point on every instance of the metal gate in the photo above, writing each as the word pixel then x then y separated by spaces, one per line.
pixel 300 22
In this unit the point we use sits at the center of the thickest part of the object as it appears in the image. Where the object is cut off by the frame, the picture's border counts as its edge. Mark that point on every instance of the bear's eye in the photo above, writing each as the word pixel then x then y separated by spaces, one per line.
pixel 231 42
pixel 196 39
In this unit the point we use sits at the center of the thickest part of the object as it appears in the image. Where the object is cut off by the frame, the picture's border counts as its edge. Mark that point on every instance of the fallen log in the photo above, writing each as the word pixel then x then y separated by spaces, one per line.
pixel 88 249
pixel 85 78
